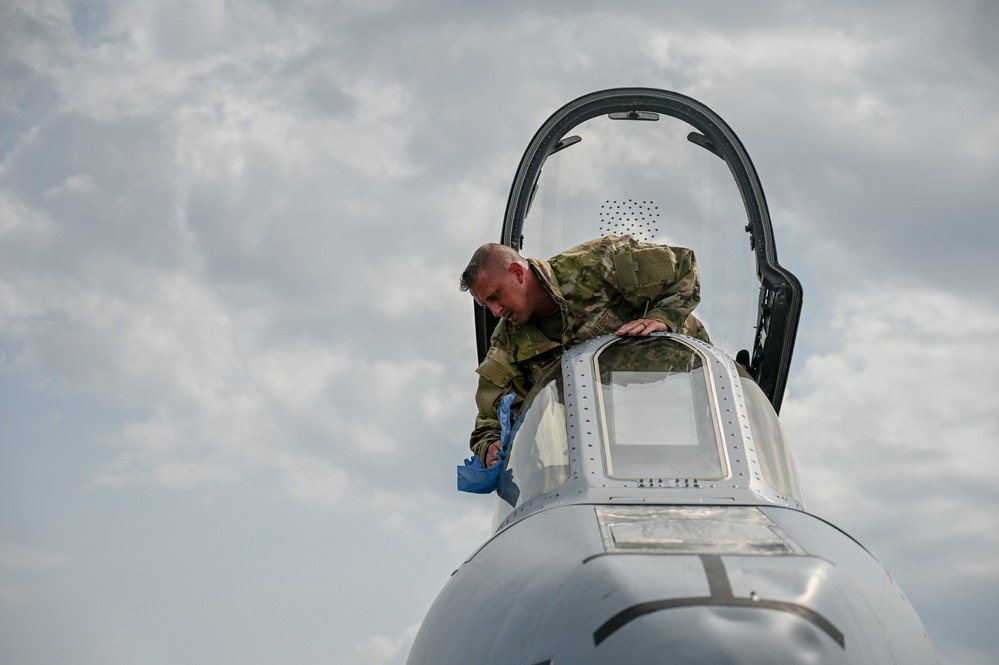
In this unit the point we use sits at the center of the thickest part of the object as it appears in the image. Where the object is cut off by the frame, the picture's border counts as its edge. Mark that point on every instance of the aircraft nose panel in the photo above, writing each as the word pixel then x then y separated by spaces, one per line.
pixel 706 584
pixel 745 609
pixel 720 596
pixel 711 530
pixel 721 635
pixel 708 532
pixel 586 584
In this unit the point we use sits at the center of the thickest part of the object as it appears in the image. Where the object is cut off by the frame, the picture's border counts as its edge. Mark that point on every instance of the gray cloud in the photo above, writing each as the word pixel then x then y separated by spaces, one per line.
pixel 229 241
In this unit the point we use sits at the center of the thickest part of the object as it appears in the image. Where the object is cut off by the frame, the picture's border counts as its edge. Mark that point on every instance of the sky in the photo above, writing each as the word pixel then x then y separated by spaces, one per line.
pixel 236 372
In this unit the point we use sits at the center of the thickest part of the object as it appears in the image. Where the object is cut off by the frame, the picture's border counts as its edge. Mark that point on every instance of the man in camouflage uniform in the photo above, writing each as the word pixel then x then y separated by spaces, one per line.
pixel 610 284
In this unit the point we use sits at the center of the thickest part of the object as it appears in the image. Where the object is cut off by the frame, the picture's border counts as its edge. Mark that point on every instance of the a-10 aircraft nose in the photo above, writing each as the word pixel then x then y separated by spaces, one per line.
pixel 586 584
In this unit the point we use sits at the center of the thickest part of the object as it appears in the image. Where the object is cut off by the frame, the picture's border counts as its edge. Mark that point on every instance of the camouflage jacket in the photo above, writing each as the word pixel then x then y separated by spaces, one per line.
pixel 598 286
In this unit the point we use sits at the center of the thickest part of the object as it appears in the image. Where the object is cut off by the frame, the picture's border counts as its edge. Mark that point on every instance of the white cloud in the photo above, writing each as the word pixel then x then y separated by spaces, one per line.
pixel 466 532
pixel 223 402
pixel 380 650
pixel 900 413
pixel 371 438
pixel 446 402
pixel 902 347
pixel 74 184
pixel 315 481
pixel 185 29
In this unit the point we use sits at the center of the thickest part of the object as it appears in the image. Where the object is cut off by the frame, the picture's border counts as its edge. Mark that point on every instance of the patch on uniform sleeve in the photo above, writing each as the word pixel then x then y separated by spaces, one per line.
pixel 494 372
pixel 604 323
pixel 645 267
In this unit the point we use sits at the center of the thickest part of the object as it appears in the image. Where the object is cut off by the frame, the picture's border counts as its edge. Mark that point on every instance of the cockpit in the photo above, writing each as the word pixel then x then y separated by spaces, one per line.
pixel 662 418
pixel 646 499
pixel 626 419
pixel 665 169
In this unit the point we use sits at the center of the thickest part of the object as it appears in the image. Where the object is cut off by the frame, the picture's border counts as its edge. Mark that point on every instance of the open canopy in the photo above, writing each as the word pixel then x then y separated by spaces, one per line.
pixel 664 168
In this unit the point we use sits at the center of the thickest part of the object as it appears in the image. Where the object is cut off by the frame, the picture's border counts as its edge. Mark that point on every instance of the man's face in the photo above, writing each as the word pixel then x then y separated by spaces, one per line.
pixel 504 292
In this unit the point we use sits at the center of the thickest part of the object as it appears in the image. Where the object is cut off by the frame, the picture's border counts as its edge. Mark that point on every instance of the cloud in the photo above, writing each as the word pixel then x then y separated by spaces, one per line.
pixel 899 409
pixel 74 184
pixel 315 481
pixel 464 533
pixel 380 650
pixel 230 232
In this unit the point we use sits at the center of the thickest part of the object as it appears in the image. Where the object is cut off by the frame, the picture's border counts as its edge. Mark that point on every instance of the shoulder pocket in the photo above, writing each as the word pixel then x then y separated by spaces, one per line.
pixel 645 267
pixel 495 372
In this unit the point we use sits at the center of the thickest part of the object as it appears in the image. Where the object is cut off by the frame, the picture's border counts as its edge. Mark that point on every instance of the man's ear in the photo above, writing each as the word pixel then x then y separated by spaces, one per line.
pixel 518 271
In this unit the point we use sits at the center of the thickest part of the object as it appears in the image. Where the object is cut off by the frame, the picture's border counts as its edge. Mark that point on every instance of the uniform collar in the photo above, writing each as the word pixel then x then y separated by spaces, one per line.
pixel 544 272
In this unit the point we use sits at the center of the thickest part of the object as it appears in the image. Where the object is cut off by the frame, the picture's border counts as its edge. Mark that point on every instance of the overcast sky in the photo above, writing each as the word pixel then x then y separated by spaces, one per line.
pixel 236 373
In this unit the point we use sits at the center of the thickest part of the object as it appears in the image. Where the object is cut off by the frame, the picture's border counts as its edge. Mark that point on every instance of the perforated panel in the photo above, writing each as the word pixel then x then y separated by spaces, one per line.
pixel 630 217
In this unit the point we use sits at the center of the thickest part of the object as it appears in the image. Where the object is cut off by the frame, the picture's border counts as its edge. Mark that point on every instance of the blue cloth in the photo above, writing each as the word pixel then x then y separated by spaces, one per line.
pixel 473 476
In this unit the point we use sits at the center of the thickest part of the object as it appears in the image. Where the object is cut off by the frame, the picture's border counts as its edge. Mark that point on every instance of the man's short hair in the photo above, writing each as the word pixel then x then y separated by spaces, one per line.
pixel 484 256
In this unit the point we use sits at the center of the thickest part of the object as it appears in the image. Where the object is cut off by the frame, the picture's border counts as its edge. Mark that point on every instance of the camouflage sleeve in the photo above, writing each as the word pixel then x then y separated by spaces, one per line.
pixel 498 375
pixel 487 426
pixel 663 279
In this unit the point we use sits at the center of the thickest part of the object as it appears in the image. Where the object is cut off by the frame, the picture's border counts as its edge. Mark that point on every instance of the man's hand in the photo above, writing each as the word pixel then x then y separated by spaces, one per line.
pixel 492 453
pixel 641 328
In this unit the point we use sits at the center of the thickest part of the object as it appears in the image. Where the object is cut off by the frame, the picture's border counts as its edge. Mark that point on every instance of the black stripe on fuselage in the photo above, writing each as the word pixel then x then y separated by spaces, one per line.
pixel 721 596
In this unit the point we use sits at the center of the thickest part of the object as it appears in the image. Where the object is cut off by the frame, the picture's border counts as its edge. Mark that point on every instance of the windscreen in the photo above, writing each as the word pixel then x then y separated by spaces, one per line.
pixel 539 455
pixel 657 416
pixel 646 179
pixel 771 445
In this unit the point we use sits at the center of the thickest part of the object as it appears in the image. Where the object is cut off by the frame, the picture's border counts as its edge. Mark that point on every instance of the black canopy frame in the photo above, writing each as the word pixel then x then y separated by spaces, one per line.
pixel 780 295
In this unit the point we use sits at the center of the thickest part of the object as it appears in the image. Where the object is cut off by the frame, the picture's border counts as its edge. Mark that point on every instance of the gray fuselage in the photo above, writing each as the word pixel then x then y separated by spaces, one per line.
pixel 594 561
